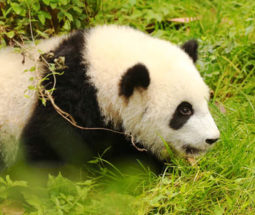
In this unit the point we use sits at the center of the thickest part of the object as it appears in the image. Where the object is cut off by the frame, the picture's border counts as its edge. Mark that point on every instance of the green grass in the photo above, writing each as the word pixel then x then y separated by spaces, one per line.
pixel 223 181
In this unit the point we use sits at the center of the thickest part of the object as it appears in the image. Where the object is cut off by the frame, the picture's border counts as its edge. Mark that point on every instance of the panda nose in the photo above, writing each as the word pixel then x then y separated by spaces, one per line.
pixel 211 141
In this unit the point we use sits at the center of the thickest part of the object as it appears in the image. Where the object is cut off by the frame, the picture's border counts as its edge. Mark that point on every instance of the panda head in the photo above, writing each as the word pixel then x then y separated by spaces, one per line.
pixel 168 99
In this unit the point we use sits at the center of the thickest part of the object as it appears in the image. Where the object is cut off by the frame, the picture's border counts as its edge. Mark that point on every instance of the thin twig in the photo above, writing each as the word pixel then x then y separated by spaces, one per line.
pixel 30 26
pixel 71 120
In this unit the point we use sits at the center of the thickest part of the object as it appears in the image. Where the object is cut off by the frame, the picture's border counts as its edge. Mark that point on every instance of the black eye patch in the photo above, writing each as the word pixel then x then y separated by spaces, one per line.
pixel 181 115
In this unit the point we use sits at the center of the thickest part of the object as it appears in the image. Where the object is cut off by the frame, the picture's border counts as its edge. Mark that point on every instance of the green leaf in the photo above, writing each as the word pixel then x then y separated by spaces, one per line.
pixel 10 34
pixel 32 69
pixel 77 9
pixel 218 210
pixel 43 101
pixel 31 87
pixel 60 185
pixel 63 2
pixel 41 17
pixel 5 13
pixel 17 8
pixel 69 16
pixel 53 5
pixel 77 23
pixel 46 14
pixel 52 67
pixel 36 6
pixel 47 2
pixel 67 25
pixel 33 200
pixel 19 183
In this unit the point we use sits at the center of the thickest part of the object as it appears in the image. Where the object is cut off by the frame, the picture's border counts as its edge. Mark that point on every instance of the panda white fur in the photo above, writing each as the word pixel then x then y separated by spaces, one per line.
pixel 115 77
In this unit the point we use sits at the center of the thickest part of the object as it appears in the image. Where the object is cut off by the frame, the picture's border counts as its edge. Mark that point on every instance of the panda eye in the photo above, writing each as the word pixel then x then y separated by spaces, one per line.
pixel 181 115
pixel 186 111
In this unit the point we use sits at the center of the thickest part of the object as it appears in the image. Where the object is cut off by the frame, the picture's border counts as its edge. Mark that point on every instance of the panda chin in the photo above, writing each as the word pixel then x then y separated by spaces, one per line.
pixel 192 151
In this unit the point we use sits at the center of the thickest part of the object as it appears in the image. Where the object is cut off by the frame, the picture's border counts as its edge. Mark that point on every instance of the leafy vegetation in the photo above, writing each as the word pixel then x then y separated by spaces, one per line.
pixel 47 17
pixel 221 182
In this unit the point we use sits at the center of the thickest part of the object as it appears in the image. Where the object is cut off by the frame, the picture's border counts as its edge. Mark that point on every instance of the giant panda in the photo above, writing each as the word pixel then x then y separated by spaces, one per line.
pixel 113 77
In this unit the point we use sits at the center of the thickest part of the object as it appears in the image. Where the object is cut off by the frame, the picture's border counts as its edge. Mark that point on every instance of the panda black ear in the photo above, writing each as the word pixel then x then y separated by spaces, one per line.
pixel 136 76
pixel 190 47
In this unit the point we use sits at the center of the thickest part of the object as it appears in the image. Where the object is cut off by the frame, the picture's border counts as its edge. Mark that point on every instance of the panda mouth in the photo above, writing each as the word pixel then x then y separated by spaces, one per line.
pixel 190 150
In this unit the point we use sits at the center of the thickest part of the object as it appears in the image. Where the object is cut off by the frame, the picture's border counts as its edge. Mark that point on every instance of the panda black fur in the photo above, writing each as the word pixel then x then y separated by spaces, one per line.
pixel 114 77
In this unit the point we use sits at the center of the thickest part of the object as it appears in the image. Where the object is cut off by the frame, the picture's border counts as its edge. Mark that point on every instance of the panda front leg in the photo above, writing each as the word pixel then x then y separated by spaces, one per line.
pixel 50 139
